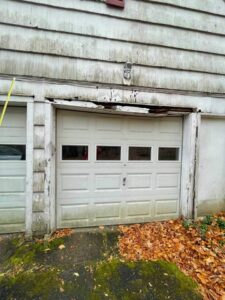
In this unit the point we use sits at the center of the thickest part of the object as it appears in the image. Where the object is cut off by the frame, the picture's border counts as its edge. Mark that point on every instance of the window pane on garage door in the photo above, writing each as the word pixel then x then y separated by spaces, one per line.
pixel 12 152
pixel 139 153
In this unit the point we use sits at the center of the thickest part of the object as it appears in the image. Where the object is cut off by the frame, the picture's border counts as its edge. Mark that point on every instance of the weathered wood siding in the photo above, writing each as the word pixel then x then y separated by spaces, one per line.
pixel 176 45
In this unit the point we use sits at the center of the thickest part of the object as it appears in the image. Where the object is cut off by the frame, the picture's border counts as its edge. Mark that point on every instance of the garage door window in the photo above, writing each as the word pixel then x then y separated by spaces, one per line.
pixel 140 153
pixel 75 152
pixel 108 153
pixel 12 152
pixel 168 153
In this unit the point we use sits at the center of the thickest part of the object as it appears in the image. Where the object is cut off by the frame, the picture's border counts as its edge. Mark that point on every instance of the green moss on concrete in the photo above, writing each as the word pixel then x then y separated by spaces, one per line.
pixel 23 276
pixel 143 280
pixel 26 253
pixel 109 243
pixel 105 280
pixel 30 285
pixel 42 271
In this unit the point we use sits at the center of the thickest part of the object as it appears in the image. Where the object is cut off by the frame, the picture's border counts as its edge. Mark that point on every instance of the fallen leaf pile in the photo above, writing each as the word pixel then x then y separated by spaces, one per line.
pixel 198 250
pixel 61 233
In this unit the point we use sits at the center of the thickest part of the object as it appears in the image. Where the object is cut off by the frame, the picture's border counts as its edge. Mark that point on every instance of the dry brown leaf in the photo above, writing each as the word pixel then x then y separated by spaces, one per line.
pixel 61 247
pixel 203 259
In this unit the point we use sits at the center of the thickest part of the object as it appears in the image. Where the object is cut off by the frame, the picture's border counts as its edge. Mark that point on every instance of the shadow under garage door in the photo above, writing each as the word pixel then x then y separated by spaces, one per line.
pixel 13 170
pixel 117 169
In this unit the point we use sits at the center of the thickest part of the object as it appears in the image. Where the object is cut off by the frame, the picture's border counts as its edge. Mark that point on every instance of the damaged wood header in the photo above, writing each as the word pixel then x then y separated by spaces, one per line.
pixel 125 108
pixel 155 109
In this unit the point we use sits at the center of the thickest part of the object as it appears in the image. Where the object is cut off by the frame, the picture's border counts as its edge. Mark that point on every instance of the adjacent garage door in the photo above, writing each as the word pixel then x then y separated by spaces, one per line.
pixel 13 170
pixel 116 169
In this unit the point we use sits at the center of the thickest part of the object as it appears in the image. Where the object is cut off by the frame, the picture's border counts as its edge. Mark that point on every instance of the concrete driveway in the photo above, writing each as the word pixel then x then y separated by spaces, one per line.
pixel 83 266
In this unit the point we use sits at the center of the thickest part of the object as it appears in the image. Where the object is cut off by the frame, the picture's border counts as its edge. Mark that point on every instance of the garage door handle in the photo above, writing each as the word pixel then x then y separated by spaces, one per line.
pixel 124 181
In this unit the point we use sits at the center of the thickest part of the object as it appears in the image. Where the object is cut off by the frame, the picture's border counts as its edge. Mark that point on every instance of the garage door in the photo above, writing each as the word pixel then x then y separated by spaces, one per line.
pixel 116 169
pixel 13 170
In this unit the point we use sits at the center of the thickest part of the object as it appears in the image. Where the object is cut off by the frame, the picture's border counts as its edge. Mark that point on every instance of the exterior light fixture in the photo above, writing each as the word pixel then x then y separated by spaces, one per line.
pixel 127 73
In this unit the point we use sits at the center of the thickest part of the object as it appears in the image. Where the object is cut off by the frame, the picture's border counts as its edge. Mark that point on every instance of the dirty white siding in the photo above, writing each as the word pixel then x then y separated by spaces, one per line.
pixel 211 185
pixel 171 46
pixel 77 49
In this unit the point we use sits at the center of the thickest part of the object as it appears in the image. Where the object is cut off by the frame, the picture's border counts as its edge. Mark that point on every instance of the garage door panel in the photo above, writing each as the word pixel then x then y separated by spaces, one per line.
pixel 139 181
pixel 107 191
pixel 140 126
pixel 109 125
pixel 13 128
pixel 170 127
pixel 164 139
pixel 105 166
pixel 13 170
pixel 107 210
pixel 139 208
pixel 72 200
pixel 75 212
pixel 167 168
pixel 17 138
pixel 170 180
pixel 75 183
pixel 75 123
pixel 12 216
pixel 12 167
pixel 11 200
pixel 167 207
pixel 109 182
pixel 12 184
pixel 14 118
pixel 88 223
pixel 10 228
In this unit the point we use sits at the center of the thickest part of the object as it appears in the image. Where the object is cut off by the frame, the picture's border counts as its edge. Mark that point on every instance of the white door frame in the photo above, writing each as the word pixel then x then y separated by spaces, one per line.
pixel 191 124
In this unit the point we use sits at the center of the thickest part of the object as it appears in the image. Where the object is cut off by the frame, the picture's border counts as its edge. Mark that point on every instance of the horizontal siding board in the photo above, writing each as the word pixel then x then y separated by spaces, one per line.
pixel 90 24
pixel 38 41
pixel 213 103
pixel 147 11
pixel 106 73
pixel 215 6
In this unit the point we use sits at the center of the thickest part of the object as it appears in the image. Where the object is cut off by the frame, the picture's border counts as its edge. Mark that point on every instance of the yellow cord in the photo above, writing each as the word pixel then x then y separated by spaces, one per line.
pixel 7 101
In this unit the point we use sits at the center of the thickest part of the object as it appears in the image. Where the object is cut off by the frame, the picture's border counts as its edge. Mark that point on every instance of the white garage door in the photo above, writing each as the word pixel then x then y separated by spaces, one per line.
pixel 13 170
pixel 116 169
